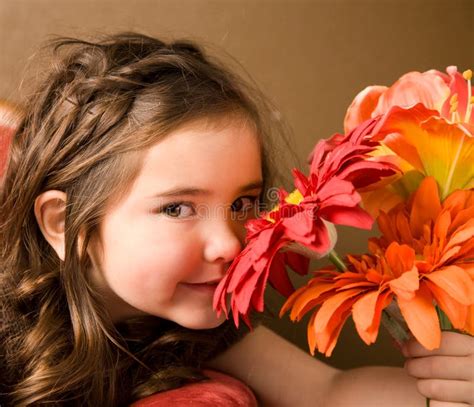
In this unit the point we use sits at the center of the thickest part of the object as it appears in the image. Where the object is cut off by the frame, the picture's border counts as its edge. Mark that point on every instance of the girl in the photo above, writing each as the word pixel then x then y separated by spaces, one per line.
pixel 129 181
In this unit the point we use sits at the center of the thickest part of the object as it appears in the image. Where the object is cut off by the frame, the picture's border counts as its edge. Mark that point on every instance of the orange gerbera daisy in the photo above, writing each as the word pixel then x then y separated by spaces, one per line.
pixel 440 233
pixel 424 257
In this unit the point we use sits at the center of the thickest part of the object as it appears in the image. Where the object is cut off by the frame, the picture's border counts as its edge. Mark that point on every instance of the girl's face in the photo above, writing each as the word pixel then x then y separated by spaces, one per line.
pixel 169 241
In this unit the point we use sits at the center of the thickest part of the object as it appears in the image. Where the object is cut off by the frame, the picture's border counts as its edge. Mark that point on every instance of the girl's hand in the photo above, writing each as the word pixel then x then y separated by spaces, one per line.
pixel 445 375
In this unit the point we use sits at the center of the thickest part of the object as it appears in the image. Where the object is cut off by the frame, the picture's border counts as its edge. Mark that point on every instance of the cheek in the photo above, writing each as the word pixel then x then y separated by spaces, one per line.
pixel 148 259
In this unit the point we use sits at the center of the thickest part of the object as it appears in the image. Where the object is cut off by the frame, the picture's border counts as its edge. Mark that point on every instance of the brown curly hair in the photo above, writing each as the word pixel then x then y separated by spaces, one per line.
pixel 99 106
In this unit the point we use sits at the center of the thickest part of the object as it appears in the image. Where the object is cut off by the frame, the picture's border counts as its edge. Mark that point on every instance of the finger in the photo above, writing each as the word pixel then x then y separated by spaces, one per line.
pixel 442 367
pixel 447 390
pixel 437 403
pixel 452 344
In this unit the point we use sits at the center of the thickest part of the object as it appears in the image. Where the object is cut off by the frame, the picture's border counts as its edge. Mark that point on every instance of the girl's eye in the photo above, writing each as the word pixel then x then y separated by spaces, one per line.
pixel 181 210
pixel 177 210
pixel 244 204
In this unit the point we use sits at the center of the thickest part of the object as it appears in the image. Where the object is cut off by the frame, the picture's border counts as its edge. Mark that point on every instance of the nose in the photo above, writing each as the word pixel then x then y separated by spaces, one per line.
pixel 224 241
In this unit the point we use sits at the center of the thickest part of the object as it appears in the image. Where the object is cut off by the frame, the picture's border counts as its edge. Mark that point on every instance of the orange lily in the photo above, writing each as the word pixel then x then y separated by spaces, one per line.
pixel 424 256
pixel 433 89
pixel 428 128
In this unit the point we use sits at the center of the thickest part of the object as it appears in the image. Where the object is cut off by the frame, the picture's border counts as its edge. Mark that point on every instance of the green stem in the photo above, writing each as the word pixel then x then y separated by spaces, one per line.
pixel 444 321
pixel 337 261
pixel 396 330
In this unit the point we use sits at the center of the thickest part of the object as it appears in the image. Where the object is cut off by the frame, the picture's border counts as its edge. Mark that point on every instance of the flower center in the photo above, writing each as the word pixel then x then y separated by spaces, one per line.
pixel 294 198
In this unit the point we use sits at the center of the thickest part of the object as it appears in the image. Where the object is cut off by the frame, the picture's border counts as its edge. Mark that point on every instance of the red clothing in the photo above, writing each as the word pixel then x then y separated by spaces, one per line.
pixel 220 390
pixel 5 140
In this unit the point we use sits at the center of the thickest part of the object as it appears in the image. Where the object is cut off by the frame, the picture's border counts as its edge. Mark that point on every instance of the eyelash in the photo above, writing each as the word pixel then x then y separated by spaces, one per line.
pixel 164 209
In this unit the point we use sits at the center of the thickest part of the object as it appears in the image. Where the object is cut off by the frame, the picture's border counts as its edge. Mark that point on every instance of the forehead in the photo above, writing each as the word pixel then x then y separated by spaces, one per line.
pixel 203 154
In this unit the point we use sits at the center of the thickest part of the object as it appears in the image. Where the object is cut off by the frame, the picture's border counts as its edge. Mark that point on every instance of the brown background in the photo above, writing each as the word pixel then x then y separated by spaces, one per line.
pixel 309 57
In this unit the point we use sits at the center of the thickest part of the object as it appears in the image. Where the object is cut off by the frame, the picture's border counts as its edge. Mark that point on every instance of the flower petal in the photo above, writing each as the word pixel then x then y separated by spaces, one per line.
pixel 334 330
pixel 406 285
pixel 426 206
pixel 367 172
pixel 427 88
pixel 308 298
pixel 367 312
pixel 304 228
pixel 331 305
pixel 278 276
pixel 431 145
pixel 401 259
pixel 455 281
pixel 400 128
pixel 362 106
pixel 327 338
pixel 469 325
pixel 455 311
pixel 447 153
pixel 355 217
pixel 421 317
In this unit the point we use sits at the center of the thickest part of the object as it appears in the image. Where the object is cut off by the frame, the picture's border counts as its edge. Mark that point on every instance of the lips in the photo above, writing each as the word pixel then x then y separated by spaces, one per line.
pixel 213 282
pixel 210 282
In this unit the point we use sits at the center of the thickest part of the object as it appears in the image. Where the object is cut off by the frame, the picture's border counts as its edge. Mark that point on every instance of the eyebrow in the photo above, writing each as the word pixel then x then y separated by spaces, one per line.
pixel 193 191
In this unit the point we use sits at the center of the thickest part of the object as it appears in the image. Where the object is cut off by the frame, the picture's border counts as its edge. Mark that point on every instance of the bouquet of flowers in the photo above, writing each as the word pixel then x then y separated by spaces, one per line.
pixel 406 162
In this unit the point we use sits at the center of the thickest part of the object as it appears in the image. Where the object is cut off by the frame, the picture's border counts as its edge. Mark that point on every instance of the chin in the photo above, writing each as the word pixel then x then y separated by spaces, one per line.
pixel 204 323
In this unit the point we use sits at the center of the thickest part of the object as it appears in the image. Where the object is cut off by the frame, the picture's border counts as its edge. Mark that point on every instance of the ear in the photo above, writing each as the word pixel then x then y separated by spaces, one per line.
pixel 50 212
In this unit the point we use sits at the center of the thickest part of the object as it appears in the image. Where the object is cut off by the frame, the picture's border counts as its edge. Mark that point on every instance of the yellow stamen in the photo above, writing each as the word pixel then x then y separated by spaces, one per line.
pixel 456 118
pixel 454 107
pixel 294 198
pixel 274 209
pixel 453 99
pixel 269 219
pixel 467 74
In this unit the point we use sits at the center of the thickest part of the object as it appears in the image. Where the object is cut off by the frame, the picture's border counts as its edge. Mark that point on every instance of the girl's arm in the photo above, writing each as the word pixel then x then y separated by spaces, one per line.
pixel 282 375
